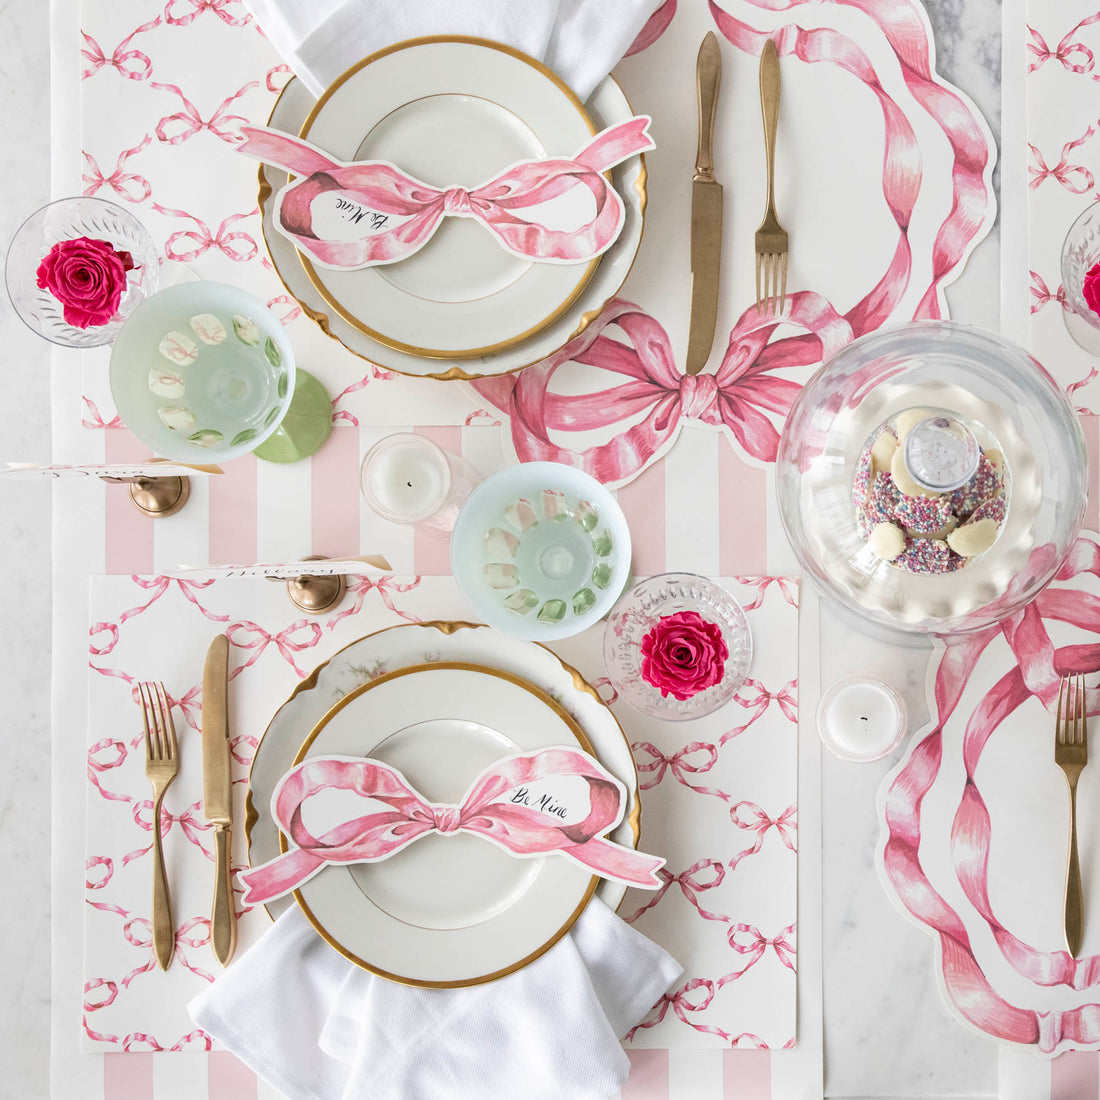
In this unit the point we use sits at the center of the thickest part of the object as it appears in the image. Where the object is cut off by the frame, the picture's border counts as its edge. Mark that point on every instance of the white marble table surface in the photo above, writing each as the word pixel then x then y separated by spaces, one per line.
pixel 884 1019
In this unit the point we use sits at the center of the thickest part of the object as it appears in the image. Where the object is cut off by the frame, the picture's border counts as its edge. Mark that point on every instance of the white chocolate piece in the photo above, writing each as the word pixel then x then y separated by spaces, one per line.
pixel 906 421
pixel 882 452
pixel 903 481
pixel 887 541
pixel 995 459
pixel 973 538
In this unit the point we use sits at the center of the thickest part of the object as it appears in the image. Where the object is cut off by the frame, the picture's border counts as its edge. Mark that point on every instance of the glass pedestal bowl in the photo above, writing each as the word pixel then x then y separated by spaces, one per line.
pixel 541 551
pixel 1025 481
pixel 203 372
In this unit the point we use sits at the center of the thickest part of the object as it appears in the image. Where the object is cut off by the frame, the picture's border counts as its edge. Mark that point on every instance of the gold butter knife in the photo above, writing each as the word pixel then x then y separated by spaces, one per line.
pixel 217 794
pixel 706 212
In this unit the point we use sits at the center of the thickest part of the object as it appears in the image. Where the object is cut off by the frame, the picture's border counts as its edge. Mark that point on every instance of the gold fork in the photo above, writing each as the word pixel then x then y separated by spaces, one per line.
pixel 771 237
pixel 161 765
pixel 1071 754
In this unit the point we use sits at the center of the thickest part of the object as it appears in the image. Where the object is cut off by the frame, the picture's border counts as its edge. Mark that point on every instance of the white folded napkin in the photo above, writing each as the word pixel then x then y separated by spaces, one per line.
pixel 581 40
pixel 318 1027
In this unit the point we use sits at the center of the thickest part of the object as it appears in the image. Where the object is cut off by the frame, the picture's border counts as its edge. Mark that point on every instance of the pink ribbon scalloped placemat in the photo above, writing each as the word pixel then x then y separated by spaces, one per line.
pixel 975 822
pixel 719 803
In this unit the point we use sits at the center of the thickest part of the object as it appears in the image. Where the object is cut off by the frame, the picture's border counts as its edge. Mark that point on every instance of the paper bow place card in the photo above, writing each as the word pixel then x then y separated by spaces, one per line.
pixel 341 809
pixel 555 210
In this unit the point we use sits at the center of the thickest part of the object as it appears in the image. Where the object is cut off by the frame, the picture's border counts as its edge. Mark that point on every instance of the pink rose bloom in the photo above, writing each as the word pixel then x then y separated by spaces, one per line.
pixel 683 655
pixel 87 277
pixel 1091 289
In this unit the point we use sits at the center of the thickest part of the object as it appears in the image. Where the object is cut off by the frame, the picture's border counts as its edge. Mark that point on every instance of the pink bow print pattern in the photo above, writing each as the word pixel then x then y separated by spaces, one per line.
pixel 749 816
pixel 692 997
pixel 127 185
pixel 756 698
pixel 748 941
pixel 501 806
pixel 1041 294
pixel 693 758
pixel 235 245
pixel 175 128
pixel 390 215
pixel 296 638
pixel 691 882
pixel 1075 178
pixel 1074 57
pixel 132 64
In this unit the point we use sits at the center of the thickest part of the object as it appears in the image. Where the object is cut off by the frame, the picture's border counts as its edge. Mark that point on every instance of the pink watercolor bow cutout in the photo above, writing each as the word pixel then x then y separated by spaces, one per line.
pixel 381 214
pixel 519 803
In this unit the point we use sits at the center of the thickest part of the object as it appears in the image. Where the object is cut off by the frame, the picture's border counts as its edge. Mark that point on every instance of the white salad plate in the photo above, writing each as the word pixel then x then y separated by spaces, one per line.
pixel 450 112
pixel 606 106
pixel 467 912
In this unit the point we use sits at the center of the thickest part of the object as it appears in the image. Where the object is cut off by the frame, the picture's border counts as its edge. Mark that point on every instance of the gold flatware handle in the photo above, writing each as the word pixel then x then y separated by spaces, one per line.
pixel 164 932
pixel 769 108
pixel 708 77
pixel 1074 910
pixel 223 917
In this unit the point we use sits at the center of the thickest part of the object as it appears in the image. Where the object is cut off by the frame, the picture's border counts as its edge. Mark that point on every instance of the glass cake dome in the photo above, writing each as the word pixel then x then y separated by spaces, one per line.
pixel 931 478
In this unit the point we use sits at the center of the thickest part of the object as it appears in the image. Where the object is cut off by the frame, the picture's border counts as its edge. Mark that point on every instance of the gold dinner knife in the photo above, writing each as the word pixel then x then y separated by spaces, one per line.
pixel 706 212
pixel 217 793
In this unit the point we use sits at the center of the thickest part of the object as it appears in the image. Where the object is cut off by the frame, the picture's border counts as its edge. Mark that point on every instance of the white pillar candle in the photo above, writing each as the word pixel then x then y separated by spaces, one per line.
pixel 861 719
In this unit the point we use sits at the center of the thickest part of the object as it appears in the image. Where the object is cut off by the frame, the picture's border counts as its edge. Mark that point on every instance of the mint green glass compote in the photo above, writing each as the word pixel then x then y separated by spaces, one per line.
pixel 203 372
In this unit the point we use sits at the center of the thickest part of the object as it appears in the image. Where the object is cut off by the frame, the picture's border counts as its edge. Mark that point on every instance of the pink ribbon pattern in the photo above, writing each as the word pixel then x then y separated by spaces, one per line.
pixel 126 185
pixel 1075 178
pixel 296 638
pixel 1038 665
pixel 749 816
pixel 178 127
pixel 746 397
pixel 690 883
pixel 742 397
pixel 1074 57
pixel 374 194
pixel 498 807
pixel 132 64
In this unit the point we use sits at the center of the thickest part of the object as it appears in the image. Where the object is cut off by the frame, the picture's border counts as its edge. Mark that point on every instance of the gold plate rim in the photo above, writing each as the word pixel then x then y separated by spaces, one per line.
pixel 330 297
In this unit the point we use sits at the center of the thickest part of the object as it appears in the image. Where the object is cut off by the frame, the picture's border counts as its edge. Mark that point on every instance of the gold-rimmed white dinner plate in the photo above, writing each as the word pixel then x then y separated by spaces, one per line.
pixel 451 112
pixel 606 106
pixel 448 910
pixel 408 645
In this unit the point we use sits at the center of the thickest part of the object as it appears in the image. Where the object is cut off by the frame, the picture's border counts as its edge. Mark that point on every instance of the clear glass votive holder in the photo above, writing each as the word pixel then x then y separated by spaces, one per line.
pixel 861 719
pixel 68 220
pixel 1081 252
pixel 407 478
pixel 640 611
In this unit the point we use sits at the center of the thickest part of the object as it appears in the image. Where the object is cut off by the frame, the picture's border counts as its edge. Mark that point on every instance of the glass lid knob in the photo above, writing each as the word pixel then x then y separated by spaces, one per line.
pixel 941 454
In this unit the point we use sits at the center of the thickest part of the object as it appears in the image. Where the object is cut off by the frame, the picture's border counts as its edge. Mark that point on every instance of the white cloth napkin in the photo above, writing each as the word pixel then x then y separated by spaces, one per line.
pixel 581 40
pixel 319 1028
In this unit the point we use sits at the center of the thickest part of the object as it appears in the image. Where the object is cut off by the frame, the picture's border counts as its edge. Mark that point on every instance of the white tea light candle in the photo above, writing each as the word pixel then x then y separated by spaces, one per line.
pixel 861 719
pixel 407 478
